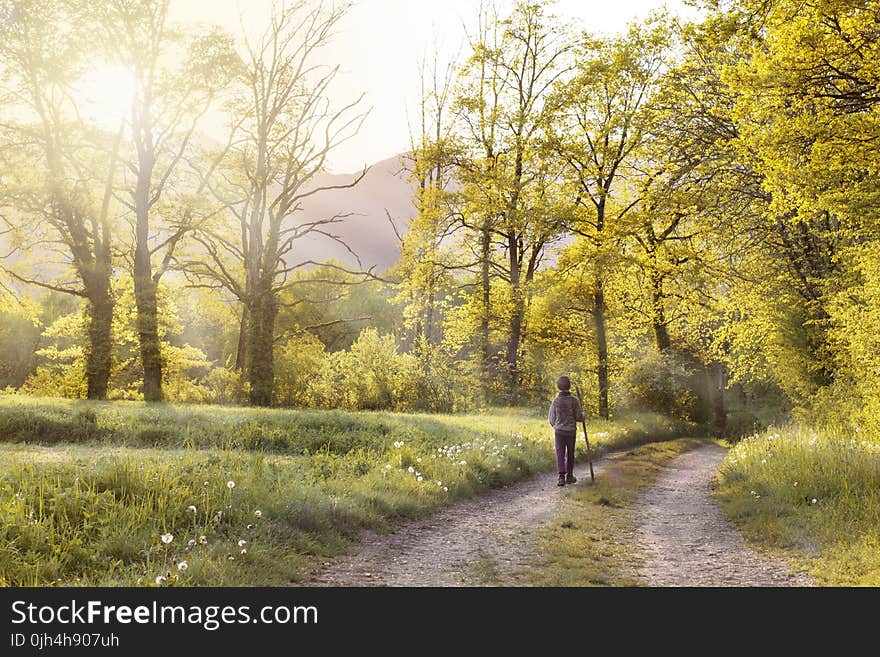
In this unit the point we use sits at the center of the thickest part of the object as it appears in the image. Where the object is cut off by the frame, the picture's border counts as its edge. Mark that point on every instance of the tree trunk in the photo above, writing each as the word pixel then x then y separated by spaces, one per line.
pixel 241 350
pixel 100 343
pixel 514 341
pixel 145 286
pixel 719 407
pixel 515 329
pixel 658 313
pixel 601 346
pixel 260 354
pixel 148 326
pixel 485 288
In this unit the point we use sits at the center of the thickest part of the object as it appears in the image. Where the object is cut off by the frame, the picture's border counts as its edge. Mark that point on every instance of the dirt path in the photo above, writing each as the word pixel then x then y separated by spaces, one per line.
pixel 487 540
pixel 688 540
pixel 490 540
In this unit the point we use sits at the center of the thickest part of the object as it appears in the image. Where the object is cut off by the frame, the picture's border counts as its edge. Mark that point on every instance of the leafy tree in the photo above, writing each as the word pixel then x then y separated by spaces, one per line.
pixel 427 262
pixel 55 191
pixel 807 108
pixel 598 136
pixel 285 127
pixel 177 76
pixel 504 109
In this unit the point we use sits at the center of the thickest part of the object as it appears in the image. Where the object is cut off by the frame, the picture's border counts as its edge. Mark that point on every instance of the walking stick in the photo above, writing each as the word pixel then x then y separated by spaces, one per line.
pixel 577 389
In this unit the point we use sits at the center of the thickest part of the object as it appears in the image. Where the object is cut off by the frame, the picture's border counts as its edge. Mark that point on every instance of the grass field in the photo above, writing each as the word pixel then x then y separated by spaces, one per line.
pixel 128 494
pixel 813 497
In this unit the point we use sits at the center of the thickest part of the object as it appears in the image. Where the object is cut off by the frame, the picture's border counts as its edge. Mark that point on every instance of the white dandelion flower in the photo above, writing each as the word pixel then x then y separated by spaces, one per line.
pixel 183 565
pixel 167 538
pixel 160 580
pixel 242 543
pixel 258 514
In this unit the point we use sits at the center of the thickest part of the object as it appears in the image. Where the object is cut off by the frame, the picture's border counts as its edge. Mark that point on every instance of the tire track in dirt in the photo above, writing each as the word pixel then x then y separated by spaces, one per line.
pixel 687 539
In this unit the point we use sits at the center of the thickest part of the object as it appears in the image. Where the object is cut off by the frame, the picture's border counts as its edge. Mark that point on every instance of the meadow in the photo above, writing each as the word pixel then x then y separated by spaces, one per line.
pixel 812 496
pixel 125 493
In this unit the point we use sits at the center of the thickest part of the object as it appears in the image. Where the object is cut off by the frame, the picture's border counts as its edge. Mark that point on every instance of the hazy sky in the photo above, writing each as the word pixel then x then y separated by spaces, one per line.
pixel 380 42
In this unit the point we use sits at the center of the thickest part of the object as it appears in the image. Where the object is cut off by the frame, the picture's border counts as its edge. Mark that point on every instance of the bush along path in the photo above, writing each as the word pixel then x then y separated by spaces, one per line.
pixel 647 520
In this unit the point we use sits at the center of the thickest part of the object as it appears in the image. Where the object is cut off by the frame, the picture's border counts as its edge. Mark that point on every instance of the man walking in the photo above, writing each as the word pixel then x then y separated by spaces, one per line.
pixel 565 413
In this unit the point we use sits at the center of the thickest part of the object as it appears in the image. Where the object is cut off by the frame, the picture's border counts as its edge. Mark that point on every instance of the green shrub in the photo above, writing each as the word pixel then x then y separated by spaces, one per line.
pixel 661 383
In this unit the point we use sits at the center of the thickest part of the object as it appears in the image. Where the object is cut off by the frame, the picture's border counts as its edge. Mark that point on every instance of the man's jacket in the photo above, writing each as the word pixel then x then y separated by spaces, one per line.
pixel 565 412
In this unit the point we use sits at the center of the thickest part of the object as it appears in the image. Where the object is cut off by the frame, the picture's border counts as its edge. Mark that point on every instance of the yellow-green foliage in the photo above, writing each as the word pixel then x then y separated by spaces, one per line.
pixel 813 495
pixel 298 367
pixel 805 106
pixel 856 318
pixel 61 362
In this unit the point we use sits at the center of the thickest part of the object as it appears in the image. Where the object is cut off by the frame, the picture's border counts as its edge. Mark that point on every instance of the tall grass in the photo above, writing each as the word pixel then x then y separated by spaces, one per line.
pixel 815 495
pixel 242 496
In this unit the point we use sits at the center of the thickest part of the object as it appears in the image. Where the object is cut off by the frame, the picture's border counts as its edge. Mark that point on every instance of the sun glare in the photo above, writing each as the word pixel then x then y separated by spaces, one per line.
pixel 105 93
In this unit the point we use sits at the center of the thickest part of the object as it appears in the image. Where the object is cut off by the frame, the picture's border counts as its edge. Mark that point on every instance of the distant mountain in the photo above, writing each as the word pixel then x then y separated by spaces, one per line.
pixel 384 190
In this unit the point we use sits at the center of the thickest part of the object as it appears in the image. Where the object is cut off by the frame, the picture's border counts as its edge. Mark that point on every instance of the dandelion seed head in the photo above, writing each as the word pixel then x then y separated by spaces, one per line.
pixel 167 538
pixel 183 565
pixel 230 484
pixel 258 514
